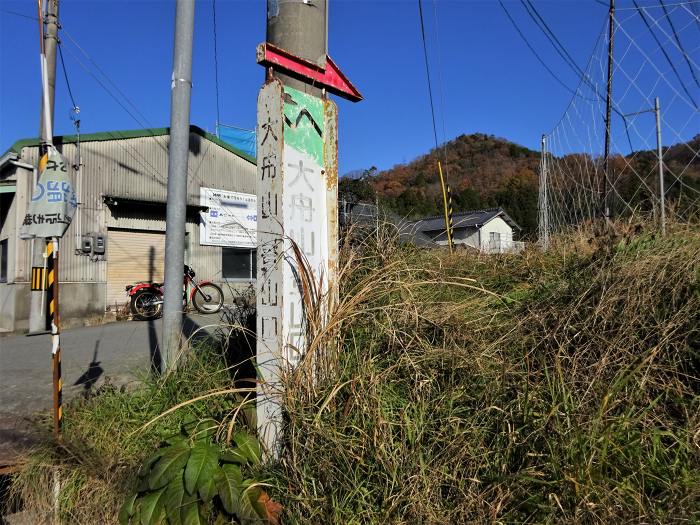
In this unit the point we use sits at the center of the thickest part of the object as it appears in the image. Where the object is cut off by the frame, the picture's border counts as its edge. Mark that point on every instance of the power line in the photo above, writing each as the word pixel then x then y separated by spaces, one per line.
pixel 695 12
pixel 145 123
pixel 691 3
pixel 668 59
pixel 65 75
pixel 15 13
pixel 216 69
pixel 561 50
pixel 678 41
pixel 427 70
pixel 442 91
pixel 582 78
pixel 446 193
pixel 551 36
pixel 107 90
pixel 566 56
pixel 532 49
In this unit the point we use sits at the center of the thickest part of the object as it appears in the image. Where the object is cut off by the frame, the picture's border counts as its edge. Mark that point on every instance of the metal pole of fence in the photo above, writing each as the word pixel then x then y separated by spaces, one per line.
pixel 659 154
pixel 543 216
pixel 608 115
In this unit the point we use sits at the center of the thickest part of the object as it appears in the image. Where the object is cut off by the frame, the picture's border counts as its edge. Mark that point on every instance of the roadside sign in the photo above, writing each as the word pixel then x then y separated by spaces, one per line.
pixel 53 204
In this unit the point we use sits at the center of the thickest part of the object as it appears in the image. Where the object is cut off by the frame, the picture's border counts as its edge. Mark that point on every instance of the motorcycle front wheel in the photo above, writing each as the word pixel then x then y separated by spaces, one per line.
pixel 208 299
pixel 146 305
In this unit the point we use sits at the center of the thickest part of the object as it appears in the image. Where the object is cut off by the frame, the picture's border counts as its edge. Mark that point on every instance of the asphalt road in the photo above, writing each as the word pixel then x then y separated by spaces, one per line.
pixel 119 352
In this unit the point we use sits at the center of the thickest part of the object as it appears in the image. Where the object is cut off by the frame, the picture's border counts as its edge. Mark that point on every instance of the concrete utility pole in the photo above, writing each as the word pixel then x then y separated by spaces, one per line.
pixel 659 154
pixel 37 298
pixel 543 205
pixel 297 196
pixel 300 27
pixel 178 155
pixel 608 112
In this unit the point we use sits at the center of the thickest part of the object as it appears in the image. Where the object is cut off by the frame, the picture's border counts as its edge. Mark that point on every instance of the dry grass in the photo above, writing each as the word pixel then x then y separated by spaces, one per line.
pixel 533 388
pixel 103 442
pixel 542 388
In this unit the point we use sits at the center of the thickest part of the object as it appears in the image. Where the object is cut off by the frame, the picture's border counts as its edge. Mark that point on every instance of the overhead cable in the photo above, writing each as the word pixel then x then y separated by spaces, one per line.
pixel 668 59
pixel 680 44
pixel 216 69
pixel 534 52
pixel 427 71
pixel 65 75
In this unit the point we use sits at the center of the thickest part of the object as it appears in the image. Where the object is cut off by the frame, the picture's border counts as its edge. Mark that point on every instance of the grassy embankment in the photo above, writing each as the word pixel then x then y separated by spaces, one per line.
pixel 539 388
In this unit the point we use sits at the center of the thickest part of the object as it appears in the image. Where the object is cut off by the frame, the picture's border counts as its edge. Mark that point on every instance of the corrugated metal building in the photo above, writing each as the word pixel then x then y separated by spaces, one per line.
pixel 122 194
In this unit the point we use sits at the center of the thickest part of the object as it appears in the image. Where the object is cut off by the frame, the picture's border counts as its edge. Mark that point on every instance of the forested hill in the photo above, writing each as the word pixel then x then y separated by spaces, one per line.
pixel 483 171
pixel 487 171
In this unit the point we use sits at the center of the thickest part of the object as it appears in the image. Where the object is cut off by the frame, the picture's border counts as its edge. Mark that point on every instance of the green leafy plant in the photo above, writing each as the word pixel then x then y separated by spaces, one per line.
pixel 192 480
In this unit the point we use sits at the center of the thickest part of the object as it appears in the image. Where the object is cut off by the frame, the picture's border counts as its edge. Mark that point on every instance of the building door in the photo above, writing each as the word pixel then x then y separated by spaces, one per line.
pixel 132 256
pixel 494 242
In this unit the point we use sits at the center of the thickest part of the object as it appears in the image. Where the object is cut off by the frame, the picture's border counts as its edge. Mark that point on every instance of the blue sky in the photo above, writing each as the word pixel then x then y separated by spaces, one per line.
pixel 489 80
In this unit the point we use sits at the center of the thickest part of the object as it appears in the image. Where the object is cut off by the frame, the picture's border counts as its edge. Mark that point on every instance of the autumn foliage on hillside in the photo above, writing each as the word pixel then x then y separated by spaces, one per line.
pixel 484 170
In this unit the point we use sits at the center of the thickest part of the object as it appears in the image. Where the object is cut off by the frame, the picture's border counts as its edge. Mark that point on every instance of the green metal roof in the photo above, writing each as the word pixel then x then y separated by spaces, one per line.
pixel 127 134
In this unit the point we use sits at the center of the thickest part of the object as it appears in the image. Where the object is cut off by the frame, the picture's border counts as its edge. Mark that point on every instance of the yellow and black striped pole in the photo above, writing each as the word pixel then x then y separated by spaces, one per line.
pixel 449 214
pixel 52 282
pixel 447 201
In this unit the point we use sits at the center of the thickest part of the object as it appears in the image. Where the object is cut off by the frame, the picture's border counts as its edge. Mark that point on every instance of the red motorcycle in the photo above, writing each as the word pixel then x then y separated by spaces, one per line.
pixel 147 298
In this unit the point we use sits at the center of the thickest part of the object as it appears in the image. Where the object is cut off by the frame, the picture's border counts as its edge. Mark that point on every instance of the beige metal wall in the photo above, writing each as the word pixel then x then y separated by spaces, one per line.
pixel 136 168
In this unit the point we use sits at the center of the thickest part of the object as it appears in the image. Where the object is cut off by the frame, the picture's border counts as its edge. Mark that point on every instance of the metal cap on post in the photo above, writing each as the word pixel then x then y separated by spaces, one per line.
pixel 178 154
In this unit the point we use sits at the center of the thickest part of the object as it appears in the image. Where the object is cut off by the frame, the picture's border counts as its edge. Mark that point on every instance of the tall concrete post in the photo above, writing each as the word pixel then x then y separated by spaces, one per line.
pixel 297 206
pixel 299 27
pixel 659 155
pixel 38 319
pixel 178 154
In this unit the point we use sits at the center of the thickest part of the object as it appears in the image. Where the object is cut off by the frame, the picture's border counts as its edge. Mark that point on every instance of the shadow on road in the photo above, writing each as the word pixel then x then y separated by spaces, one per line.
pixel 93 373
pixel 153 345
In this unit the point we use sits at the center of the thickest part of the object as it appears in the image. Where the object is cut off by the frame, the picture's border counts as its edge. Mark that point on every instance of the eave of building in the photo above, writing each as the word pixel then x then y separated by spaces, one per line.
pixel 506 218
pixel 16 148
pixel 463 220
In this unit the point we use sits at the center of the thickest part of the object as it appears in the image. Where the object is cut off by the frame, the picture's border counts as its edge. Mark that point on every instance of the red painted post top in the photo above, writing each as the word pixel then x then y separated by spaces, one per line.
pixel 330 77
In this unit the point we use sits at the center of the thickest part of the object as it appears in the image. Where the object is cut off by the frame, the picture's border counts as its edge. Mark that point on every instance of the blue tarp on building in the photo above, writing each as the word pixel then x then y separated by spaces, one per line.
pixel 242 139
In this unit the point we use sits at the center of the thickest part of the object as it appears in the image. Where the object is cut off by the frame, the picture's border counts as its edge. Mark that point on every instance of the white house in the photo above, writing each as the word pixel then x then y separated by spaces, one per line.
pixel 489 230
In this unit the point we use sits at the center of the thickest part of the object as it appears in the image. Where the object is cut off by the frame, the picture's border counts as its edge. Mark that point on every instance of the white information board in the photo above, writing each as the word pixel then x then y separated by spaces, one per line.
pixel 232 218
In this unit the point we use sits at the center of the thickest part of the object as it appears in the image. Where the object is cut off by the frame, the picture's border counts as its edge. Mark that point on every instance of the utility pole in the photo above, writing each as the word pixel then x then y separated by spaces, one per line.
pixel 299 27
pixel 608 114
pixel 297 158
pixel 37 298
pixel 543 205
pixel 659 154
pixel 178 155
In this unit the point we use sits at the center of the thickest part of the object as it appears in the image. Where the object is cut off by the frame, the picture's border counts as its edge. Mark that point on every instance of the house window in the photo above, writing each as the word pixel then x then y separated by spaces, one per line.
pixel 238 263
pixel 3 261
pixel 495 238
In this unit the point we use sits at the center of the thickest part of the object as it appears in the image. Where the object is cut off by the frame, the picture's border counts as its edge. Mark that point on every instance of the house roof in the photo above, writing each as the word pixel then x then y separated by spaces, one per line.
pixel 465 219
pixel 127 134
pixel 366 213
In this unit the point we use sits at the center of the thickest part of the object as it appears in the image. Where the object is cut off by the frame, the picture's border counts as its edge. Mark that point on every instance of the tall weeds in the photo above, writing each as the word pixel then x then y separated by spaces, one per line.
pixel 557 387
pixel 540 388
